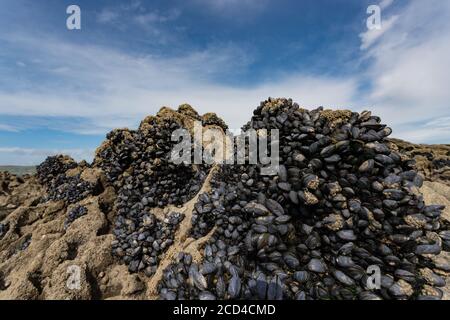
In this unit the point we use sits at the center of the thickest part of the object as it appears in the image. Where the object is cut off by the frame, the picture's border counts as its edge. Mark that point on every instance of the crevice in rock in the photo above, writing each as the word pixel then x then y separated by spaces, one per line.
pixel 23 219
pixel 2 281
pixel 72 251
pixel 104 230
pixel 98 189
pixel 106 227
pixel 181 241
pixel 5 187
pixel 35 202
pixel 36 278
pixel 96 293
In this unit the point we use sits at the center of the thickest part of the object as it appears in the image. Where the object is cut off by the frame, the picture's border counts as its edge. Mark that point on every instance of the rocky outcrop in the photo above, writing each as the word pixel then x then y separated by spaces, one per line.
pixel 132 225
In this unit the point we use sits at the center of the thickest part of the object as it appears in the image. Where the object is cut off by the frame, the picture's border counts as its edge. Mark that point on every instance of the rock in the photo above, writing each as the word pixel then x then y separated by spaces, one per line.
pixel 140 226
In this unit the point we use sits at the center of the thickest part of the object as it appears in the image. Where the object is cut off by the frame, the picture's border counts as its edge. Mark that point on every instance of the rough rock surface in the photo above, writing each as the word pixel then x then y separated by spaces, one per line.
pixel 41 269
pixel 433 161
pixel 71 218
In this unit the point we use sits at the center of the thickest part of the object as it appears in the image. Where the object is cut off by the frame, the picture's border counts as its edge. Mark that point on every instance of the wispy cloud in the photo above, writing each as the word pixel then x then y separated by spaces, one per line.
pixel 108 15
pixel 136 14
pixel 409 71
pixel 434 131
pixel 369 37
pixel 9 128
pixel 386 3
pixel 116 88
pixel 90 89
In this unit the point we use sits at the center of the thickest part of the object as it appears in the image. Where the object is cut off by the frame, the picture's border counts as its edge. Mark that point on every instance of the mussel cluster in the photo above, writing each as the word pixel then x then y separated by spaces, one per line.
pixel 60 186
pixel 54 166
pixel 138 164
pixel 344 202
pixel 69 188
pixel 343 205
pixel 75 213
pixel 142 242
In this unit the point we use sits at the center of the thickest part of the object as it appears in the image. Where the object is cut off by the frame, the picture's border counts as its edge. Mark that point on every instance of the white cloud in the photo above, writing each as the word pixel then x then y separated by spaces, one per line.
pixel 30 156
pixel 119 89
pixel 435 131
pixel 369 37
pixel 136 13
pixel 7 127
pixel 386 3
pixel 409 72
pixel 107 15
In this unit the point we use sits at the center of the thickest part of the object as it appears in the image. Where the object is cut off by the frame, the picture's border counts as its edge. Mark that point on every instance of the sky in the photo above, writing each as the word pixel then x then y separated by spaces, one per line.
pixel 62 91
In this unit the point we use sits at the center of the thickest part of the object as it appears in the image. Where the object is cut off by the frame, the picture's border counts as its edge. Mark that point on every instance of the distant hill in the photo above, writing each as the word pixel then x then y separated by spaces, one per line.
pixel 19 170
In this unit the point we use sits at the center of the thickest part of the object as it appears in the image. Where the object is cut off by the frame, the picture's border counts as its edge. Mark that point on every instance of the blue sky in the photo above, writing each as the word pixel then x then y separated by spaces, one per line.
pixel 62 91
